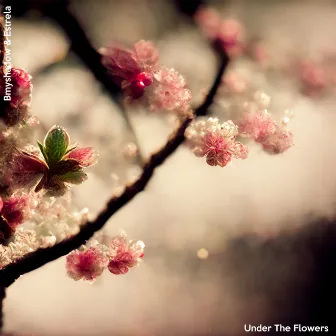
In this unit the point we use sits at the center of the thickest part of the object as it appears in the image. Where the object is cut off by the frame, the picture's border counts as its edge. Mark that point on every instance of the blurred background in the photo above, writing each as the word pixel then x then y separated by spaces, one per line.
pixel 252 243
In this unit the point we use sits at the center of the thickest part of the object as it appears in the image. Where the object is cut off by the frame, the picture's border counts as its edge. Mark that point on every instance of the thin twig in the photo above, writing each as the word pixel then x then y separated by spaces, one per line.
pixel 41 257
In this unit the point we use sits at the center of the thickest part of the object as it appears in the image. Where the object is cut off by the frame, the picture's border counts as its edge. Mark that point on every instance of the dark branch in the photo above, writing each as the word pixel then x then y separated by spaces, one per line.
pixel 81 45
pixel 41 257
pixel 2 299
pixel 224 60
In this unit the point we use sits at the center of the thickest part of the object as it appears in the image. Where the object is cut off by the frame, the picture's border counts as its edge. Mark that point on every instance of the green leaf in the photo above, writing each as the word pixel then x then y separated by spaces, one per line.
pixel 74 177
pixel 42 149
pixel 56 143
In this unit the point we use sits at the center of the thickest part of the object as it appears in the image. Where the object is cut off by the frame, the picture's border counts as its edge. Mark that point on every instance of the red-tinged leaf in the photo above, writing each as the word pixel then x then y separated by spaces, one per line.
pixel 84 156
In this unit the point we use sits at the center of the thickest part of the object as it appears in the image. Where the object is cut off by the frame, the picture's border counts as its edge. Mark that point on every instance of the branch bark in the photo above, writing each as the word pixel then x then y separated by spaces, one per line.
pixel 2 299
pixel 38 258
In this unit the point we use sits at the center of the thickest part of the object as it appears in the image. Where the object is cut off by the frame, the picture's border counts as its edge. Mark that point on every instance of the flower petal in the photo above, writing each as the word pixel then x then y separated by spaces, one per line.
pixel 84 156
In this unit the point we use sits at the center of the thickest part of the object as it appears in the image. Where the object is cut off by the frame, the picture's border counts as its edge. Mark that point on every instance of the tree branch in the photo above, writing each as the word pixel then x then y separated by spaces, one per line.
pixel 2 299
pixel 41 257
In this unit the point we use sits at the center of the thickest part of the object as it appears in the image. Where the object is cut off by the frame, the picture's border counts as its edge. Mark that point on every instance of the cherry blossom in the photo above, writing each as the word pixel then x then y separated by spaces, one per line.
pixel 258 124
pixel 312 77
pixel 279 141
pixel 133 69
pixel 228 32
pixel 117 254
pixel 215 141
pixel 209 21
pixel 22 87
pixel 124 255
pixel 86 264
pixel 169 92
pixel 14 211
pixel 138 73
pixel 235 82
pixel 15 110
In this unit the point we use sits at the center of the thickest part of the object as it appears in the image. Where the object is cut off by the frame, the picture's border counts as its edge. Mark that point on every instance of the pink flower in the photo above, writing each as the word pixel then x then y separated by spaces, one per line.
pixel 22 87
pixel 312 77
pixel 209 21
pixel 235 82
pixel 258 126
pixel 231 35
pixel 86 264
pixel 16 209
pixel 219 151
pixel 124 255
pixel 217 142
pixel 146 54
pixel 169 92
pixel 132 69
pixel 279 142
pixel 16 109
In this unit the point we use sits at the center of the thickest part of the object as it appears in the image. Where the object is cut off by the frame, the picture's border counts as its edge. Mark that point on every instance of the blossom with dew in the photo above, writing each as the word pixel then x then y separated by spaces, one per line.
pixel 214 141
pixel 15 104
pixel 133 69
pixel 138 73
pixel 169 92
pixel 59 166
pixel 86 263
pixel 124 254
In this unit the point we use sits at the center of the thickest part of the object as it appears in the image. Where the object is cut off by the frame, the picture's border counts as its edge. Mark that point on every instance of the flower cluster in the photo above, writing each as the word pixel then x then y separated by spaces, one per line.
pixel 138 73
pixel 118 255
pixel 215 141
pixel 257 124
pixel 16 92
pixel 59 165
pixel 229 32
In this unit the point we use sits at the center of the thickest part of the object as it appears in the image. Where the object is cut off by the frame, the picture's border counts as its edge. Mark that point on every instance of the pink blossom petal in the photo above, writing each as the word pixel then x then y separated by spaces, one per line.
pixel 16 209
pixel 146 53
pixel 121 63
pixel 84 156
